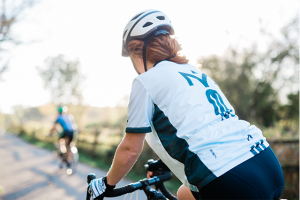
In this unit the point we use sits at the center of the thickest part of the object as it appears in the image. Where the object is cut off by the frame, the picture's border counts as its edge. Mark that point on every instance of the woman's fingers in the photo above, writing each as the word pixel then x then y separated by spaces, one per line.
pixel 149 174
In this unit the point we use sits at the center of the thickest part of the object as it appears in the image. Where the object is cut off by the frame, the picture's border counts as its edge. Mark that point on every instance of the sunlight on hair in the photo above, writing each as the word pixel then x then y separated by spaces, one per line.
pixel 184 52
pixel 198 65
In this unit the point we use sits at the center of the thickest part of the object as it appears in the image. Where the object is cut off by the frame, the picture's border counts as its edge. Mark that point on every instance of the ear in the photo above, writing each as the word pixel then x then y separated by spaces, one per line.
pixel 136 59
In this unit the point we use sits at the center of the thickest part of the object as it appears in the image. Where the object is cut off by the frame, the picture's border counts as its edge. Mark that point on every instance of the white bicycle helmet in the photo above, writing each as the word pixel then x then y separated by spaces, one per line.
pixel 144 25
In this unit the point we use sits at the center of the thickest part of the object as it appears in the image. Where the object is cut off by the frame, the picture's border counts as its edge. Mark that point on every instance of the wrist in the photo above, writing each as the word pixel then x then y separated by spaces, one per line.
pixel 108 186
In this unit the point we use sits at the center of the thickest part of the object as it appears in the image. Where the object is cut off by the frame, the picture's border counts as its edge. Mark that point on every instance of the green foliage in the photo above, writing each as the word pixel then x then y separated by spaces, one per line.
pixel 119 123
pixel 21 116
pixel 249 96
pixel 32 113
pixel 293 108
pixel 2 118
pixel 36 141
pixel 252 80
pixel 63 79
pixel 90 160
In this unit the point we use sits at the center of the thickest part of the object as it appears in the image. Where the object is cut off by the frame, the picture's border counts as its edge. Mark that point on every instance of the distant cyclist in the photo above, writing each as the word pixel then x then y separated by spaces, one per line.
pixel 188 122
pixel 66 121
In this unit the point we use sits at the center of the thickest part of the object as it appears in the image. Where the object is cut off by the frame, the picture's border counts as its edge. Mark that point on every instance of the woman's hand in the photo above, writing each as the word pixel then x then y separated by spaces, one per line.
pixel 149 174
pixel 98 187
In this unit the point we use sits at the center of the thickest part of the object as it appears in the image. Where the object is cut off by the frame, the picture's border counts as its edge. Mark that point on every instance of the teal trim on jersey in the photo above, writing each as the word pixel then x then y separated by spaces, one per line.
pixel 138 130
pixel 196 171
pixel 258 147
pixel 262 144
pixel 253 150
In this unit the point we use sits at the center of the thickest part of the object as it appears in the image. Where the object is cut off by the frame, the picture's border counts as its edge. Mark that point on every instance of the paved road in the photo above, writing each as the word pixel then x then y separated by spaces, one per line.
pixel 30 173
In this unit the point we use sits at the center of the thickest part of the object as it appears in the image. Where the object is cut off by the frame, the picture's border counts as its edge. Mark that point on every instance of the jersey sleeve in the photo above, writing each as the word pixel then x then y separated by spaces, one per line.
pixel 140 109
pixel 57 121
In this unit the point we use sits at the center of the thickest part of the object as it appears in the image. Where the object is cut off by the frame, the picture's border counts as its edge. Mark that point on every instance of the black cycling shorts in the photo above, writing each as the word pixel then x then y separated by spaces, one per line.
pixel 68 134
pixel 260 177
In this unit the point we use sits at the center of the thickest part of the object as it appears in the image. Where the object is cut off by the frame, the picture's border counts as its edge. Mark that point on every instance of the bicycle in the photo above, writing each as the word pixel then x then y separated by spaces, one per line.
pixel 158 179
pixel 61 156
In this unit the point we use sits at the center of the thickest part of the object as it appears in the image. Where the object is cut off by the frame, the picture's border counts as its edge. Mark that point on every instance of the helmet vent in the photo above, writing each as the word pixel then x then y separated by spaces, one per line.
pixel 136 16
pixel 161 17
pixel 147 24
pixel 125 33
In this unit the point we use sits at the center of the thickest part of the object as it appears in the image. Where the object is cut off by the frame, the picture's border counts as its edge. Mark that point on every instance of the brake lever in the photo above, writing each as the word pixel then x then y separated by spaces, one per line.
pixel 90 177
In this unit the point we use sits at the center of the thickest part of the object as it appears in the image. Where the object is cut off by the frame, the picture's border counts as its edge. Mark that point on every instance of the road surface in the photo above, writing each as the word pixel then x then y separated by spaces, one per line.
pixel 30 173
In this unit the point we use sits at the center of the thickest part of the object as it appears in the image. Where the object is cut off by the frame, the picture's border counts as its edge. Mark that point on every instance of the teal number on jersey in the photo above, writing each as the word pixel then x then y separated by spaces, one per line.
pixel 212 96
pixel 203 80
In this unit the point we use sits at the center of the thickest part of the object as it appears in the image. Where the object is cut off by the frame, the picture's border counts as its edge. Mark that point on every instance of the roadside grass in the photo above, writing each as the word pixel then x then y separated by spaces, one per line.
pixel 97 162
pixel 37 142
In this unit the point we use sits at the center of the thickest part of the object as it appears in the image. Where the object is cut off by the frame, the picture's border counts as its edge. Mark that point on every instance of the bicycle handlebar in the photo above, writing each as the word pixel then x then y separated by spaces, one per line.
pixel 156 180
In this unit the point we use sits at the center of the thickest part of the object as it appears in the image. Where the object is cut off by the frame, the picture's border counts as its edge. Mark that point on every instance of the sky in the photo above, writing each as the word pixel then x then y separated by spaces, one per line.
pixel 91 31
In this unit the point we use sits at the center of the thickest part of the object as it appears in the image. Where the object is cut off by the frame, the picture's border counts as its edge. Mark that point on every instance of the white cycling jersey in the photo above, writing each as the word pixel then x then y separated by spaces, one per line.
pixel 191 125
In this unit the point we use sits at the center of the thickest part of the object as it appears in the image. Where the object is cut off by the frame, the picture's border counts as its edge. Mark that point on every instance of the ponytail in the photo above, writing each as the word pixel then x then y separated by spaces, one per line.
pixel 161 47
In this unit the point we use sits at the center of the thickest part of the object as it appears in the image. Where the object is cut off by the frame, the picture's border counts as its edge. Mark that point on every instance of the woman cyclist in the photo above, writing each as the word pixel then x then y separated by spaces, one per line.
pixel 188 122
pixel 67 123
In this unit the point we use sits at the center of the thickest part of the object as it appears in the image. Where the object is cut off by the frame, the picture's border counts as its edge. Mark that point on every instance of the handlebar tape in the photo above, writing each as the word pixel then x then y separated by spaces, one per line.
pixel 136 186
pixel 120 191
pixel 132 187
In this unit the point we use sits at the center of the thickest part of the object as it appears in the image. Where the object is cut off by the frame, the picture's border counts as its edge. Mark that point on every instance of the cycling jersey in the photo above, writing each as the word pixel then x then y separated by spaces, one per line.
pixel 65 121
pixel 192 127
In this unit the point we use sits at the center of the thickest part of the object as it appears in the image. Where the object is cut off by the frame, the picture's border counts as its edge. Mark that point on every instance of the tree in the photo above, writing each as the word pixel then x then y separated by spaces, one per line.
pixel 10 13
pixel 33 114
pixel 252 80
pixel 63 79
pixel 290 111
pixel 3 69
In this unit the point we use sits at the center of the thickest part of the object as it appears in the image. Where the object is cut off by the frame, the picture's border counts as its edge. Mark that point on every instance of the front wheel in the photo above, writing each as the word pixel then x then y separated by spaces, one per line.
pixel 75 159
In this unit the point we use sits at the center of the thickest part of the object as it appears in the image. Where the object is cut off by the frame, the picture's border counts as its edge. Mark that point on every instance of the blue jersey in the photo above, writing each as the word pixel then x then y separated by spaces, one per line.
pixel 190 123
pixel 65 122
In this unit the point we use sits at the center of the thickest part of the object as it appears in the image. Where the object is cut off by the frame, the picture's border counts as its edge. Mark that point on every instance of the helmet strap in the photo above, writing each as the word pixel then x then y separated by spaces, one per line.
pixel 144 52
pixel 158 32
